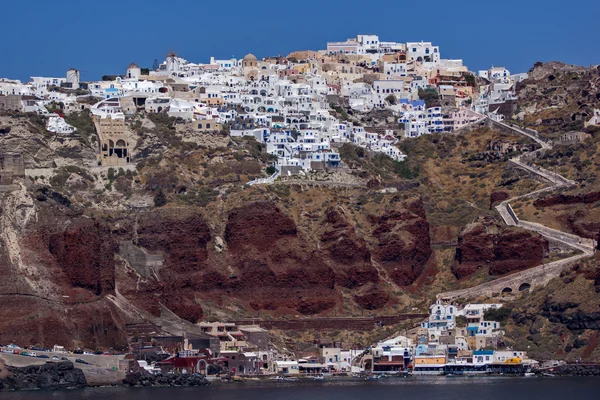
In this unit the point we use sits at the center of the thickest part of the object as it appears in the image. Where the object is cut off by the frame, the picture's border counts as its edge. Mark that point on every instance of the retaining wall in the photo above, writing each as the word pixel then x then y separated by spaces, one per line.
pixel 356 324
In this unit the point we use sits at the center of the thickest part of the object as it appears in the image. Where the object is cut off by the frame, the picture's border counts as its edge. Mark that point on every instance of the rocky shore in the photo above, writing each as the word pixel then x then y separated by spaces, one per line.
pixel 141 379
pixel 577 370
pixel 52 375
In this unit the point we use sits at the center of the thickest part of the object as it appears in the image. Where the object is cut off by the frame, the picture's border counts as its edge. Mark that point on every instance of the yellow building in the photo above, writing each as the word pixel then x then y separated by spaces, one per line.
pixel 430 360
pixel 113 141
pixel 302 68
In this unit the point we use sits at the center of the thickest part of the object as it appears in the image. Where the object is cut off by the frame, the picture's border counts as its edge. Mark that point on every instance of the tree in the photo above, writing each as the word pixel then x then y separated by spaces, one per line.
pixel 470 78
pixel 145 71
pixel 461 321
pixel 160 199
pixel 391 99
pixel 498 314
pixel 431 97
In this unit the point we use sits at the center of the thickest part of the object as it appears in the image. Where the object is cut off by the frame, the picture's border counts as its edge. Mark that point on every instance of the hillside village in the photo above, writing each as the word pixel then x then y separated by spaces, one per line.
pixel 298 105
pixel 83 183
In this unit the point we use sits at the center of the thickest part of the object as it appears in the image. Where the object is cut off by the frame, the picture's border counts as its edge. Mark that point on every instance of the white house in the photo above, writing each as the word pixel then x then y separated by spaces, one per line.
pixel 286 367
pixel 224 65
pixel 56 124
pixel 383 89
pixel 595 120
pixel 423 52
pixel 441 316
pixel 395 69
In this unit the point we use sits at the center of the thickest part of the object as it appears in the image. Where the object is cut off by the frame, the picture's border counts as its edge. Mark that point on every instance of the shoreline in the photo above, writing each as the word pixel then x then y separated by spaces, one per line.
pixel 65 375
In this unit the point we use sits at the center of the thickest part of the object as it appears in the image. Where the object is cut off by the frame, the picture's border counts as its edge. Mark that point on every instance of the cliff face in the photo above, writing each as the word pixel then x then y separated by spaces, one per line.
pixel 348 253
pixel 561 320
pixel 264 246
pixel 77 280
pixel 85 250
pixel 502 249
pixel 402 242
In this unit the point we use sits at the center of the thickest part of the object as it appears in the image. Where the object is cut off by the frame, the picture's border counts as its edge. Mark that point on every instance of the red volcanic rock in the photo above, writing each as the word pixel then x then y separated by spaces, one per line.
pixel 276 267
pixel 504 249
pixel 36 321
pixel 373 183
pixel 180 234
pixel 497 197
pixel 372 299
pixel 266 264
pixel 85 252
pixel 258 225
pixel 183 304
pixel 561 198
pixel 402 241
pixel 349 255
pixel 315 305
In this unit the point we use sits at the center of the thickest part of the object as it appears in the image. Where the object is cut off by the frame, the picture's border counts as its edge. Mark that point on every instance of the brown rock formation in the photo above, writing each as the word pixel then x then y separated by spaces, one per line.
pixel 402 241
pixel 63 269
pixel 85 252
pixel 275 265
pixel 497 197
pixel 349 255
pixel 503 249
pixel 561 198
pixel 372 299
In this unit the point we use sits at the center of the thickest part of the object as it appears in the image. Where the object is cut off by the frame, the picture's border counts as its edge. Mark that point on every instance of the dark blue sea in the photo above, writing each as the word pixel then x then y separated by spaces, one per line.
pixel 439 388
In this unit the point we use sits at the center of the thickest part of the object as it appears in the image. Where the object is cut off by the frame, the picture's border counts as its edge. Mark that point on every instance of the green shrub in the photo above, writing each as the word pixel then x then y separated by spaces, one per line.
pixel 160 199
pixel 498 314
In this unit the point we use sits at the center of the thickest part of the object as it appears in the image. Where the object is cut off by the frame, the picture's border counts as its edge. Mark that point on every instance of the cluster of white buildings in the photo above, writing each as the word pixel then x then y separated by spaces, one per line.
pixel 478 333
pixel 498 98
pixel 286 103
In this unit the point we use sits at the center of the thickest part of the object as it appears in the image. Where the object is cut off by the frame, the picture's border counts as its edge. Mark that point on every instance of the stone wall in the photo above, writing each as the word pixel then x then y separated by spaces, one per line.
pixel 142 261
pixel 12 102
pixel 12 167
pixel 355 324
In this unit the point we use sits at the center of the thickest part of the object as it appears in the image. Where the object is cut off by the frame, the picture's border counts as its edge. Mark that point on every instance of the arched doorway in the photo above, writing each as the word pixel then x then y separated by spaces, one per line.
pixel 202 367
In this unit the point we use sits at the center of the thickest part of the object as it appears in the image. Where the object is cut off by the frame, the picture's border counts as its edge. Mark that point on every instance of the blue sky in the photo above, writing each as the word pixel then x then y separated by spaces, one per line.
pixel 104 37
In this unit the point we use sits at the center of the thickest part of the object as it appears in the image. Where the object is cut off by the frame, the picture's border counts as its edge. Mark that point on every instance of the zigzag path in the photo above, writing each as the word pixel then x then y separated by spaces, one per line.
pixel 542 274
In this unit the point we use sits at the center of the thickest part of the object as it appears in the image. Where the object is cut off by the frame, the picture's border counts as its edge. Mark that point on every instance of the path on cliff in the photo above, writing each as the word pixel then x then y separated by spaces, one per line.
pixel 541 274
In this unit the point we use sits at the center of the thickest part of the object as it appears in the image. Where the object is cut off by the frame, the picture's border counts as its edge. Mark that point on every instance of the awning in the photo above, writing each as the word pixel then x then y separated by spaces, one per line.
pixel 310 365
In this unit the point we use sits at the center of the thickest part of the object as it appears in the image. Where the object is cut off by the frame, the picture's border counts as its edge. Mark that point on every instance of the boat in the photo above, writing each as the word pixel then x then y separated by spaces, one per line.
pixel 318 378
pixel 548 374
pixel 529 374
pixel 373 377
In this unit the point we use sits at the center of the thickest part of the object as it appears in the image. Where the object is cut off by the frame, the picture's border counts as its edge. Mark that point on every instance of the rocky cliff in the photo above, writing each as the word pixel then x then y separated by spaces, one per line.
pixel 82 277
pixel 501 249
